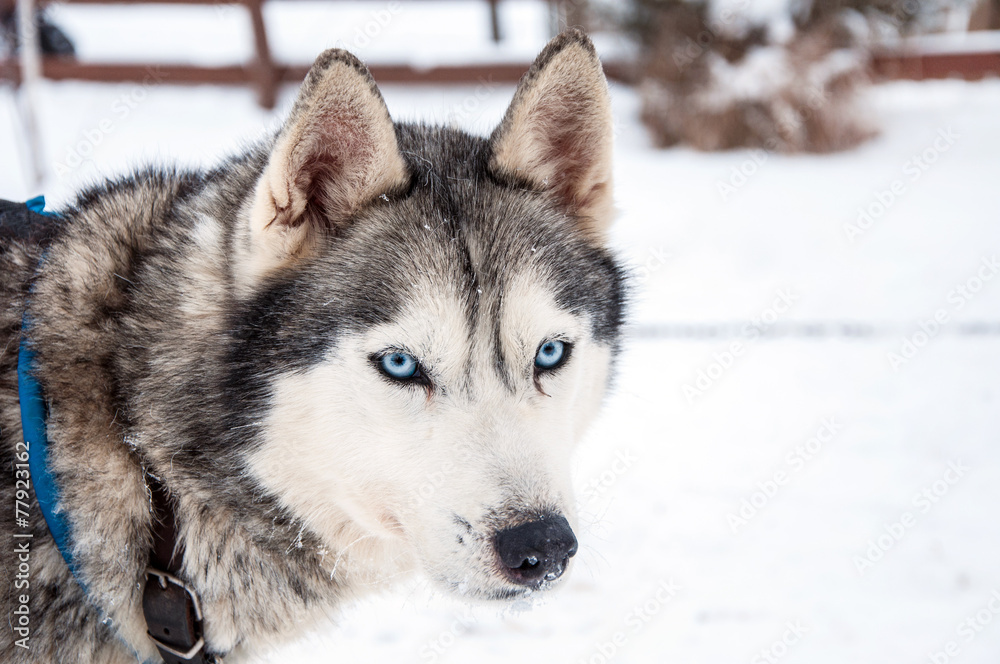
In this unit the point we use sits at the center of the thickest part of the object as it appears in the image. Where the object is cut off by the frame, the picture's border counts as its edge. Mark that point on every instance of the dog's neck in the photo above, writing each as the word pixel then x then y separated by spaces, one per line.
pixel 109 423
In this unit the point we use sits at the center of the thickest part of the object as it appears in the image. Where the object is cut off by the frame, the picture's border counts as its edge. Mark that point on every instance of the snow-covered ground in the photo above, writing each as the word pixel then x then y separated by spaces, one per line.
pixel 821 491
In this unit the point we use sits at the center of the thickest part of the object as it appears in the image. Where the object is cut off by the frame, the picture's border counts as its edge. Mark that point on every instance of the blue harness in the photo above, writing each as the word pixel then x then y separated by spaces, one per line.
pixel 33 416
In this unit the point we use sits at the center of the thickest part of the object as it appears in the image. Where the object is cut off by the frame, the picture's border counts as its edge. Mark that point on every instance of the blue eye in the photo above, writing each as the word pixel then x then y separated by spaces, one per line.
pixel 401 366
pixel 551 354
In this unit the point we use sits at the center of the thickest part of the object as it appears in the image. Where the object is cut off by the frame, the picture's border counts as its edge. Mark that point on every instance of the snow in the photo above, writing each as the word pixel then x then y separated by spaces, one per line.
pixel 756 11
pixel 981 41
pixel 830 442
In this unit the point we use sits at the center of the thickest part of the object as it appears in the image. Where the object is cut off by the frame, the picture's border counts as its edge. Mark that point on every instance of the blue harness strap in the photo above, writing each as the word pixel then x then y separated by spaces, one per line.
pixel 37 205
pixel 33 417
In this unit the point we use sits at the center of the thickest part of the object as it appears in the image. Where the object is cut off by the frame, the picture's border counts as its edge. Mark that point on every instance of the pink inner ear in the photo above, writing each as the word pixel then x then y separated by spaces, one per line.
pixel 568 152
pixel 566 128
pixel 333 161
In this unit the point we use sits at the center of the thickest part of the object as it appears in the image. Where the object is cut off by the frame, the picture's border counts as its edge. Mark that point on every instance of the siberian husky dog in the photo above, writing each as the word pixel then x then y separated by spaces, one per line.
pixel 359 350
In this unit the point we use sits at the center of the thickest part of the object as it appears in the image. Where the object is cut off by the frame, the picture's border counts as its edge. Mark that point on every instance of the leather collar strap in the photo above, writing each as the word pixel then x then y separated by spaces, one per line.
pixel 170 606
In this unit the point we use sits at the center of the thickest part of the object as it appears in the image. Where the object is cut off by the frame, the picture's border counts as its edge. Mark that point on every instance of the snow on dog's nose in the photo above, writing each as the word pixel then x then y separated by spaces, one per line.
pixel 536 551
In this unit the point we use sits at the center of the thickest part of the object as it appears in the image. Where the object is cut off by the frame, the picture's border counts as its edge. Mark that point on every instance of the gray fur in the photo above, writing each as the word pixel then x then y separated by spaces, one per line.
pixel 135 381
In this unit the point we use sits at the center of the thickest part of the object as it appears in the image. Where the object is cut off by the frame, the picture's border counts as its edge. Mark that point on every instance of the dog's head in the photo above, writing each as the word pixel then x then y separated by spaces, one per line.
pixel 435 316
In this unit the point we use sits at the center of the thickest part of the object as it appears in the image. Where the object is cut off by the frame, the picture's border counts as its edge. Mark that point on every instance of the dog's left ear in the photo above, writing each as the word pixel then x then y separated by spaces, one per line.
pixel 557 133
pixel 336 153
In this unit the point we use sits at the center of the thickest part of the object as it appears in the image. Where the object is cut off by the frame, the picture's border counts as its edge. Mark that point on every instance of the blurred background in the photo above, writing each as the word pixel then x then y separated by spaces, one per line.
pixel 800 460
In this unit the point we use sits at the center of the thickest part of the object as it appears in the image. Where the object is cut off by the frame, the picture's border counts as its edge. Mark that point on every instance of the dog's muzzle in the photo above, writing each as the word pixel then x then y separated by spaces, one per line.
pixel 537 551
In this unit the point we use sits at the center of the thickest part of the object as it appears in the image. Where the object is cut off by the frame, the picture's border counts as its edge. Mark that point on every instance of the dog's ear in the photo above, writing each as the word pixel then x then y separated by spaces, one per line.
pixel 557 132
pixel 336 153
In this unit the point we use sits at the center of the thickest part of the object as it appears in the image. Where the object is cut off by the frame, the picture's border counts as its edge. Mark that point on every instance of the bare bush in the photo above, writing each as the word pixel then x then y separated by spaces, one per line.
pixel 718 82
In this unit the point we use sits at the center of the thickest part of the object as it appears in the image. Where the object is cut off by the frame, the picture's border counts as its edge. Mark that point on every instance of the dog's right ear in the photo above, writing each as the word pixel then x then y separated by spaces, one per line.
pixel 336 153
pixel 557 134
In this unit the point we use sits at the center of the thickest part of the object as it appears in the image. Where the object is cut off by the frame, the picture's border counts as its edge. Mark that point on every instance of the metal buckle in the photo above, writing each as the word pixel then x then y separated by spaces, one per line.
pixel 195 649
pixel 164 578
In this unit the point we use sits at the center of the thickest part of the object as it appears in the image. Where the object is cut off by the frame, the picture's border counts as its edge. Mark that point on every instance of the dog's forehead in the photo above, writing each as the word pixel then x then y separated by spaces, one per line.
pixel 460 231
pixel 485 248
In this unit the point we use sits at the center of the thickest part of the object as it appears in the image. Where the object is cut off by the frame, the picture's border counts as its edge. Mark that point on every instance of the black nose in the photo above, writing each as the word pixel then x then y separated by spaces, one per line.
pixel 536 551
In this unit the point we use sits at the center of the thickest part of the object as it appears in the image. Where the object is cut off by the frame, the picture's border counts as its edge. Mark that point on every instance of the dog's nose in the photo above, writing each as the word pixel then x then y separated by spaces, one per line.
pixel 536 551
